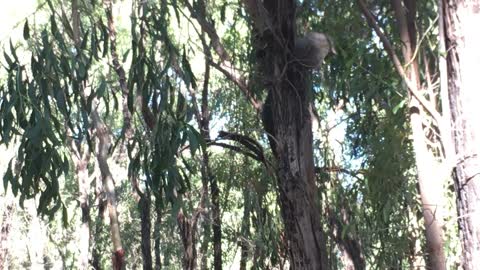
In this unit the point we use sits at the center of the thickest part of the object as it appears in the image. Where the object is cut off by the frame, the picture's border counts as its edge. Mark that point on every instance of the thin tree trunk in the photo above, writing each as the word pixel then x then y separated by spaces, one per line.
pixel 84 187
pixel 430 186
pixel 350 247
pixel 460 20
pixel 143 199
pixel 245 231
pixel 100 202
pixel 144 206
pixel 204 123
pixel 156 235
pixel 188 226
pixel 104 144
pixel 217 224
pixel 287 119
pixel 187 233
pixel 81 160
pixel 204 247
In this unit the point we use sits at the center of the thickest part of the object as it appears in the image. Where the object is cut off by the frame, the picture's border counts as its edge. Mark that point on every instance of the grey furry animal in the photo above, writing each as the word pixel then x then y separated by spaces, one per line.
pixel 312 49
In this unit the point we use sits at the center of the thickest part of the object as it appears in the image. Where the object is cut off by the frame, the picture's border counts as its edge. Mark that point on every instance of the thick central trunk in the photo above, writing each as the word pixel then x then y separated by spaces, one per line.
pixel 287 120
pixel 294 155
pixel 460 20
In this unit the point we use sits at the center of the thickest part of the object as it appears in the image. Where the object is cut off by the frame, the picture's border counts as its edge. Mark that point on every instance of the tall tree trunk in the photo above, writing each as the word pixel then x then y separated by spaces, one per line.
pixel 206 174
pixel 287 119
pixel 430 186
pixel 204 246
pixel 143 198
pixel 188 227
pixel 460 20
pixel 156 236
pixel 81 158
pixel 187 233
pixel 351 250
pixel 104 144
pixel 207 177
pixel 217 224
pixel 146 246
pixel 81 165
pixel 245 231
pixel 100 201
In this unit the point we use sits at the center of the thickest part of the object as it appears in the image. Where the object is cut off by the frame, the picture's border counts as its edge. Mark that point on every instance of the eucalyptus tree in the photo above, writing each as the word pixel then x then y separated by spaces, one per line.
pixel 59 96
pixel 90 89
pixel 459 45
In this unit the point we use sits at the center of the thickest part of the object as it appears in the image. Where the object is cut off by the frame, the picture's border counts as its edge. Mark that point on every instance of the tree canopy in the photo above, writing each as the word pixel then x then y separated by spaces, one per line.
pixel 180 134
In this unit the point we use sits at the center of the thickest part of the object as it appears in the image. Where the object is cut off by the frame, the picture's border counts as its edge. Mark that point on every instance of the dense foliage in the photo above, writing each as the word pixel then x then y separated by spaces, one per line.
pixel 160 96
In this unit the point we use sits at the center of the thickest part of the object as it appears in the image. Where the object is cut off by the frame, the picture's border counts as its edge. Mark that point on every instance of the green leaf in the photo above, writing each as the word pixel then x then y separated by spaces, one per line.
pixel 26 31
pixel 14 54
pixel 222 12
pixel 101 88
pixel 53 25
pixel 66 24
pixel 9 60
pixel 125 55
pixel 399 106
pixel 84 41
pixel 64 216
pixel 8 177
pixel 193 139
pixel 189 77
pixel 60 97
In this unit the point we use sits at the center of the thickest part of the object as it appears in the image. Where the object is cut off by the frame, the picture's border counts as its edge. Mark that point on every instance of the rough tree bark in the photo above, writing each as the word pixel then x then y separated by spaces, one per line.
pixel 460 20
pixel 187 227
pixel 203 120
pixel 146 246
pixel 350 246
pixel 287 120
pixel 291 129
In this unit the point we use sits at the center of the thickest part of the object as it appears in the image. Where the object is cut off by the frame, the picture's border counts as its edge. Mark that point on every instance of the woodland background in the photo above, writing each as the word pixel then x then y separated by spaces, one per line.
pixel 134 136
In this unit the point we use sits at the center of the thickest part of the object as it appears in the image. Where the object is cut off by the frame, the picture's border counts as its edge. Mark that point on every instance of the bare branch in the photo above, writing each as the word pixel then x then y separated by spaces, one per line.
pixel 236 78
pixel 225 65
